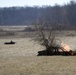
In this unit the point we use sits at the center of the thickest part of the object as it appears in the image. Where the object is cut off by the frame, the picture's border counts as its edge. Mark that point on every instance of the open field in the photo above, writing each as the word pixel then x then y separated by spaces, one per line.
pixel 21 58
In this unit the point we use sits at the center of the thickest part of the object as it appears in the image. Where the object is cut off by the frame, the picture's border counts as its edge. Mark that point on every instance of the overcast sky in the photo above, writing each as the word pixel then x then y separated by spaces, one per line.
pixel 7 3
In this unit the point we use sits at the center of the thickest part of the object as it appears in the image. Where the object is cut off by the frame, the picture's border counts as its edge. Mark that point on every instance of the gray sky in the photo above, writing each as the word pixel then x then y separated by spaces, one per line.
pixel 7 3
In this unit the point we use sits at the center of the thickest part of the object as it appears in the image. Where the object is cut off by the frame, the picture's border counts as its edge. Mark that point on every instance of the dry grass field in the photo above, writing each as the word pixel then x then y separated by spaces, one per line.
pixel 21 58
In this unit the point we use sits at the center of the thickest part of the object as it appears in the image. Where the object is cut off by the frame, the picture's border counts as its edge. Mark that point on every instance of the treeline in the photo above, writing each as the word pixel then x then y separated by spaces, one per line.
pixel 46 15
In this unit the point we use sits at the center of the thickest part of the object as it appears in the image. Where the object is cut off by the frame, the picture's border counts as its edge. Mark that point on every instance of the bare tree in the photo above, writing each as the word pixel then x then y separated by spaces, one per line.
pixel 47 38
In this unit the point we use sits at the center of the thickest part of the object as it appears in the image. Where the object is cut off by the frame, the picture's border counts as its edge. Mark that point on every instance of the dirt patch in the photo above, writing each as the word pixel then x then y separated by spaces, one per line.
pixel 22 59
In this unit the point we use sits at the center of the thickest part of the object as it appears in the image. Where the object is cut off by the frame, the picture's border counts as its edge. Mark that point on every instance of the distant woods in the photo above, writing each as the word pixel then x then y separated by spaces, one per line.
pixel 47 15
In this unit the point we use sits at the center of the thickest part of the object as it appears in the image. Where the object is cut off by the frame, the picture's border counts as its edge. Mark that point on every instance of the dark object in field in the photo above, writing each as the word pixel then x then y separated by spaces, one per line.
pixel 11 42
pixel 55 51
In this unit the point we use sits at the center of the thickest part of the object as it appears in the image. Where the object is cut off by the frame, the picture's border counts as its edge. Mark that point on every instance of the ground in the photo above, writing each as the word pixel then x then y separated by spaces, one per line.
pixel 21 58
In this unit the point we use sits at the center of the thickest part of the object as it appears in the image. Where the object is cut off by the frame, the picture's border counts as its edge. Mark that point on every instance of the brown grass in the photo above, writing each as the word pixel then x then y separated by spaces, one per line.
pixel 22 59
